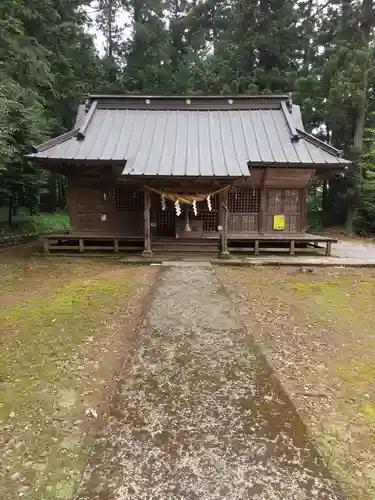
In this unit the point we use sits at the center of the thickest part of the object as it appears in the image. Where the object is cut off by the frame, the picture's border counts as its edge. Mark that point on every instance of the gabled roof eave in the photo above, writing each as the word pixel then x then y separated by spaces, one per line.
pixel 321 144
pixel 50 143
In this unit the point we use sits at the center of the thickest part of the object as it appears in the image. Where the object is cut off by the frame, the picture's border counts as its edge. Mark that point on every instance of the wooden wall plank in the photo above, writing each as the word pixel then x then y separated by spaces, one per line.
pixel 93 207
pixel 285 202
pixel 254 180
pixel 288 177
pixel 303 218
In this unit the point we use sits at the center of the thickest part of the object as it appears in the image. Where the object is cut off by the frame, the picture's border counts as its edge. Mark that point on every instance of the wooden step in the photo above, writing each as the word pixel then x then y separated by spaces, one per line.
pixel 185 245
pixel 168 249
pixel 185 242
pixel 198 256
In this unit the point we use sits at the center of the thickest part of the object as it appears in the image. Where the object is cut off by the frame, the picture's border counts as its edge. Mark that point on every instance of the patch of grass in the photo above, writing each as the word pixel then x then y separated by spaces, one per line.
pixel 368 409
pixel 34 320
pixel 317 331
pixel 357 372
pixel 20 274
pixel 36 224
pixel 60 351
pixel 339 295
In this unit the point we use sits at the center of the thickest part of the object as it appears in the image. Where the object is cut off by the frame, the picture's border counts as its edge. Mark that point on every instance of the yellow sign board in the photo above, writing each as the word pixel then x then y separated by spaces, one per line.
pixel 279 222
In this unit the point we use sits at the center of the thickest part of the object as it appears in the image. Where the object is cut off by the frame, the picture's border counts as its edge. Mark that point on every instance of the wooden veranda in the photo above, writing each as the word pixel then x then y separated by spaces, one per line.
pixel 250 244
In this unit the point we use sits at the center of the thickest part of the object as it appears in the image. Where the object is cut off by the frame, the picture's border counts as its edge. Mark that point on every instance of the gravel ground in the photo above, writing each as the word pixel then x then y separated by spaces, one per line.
pixel 198 414
pixel 353 250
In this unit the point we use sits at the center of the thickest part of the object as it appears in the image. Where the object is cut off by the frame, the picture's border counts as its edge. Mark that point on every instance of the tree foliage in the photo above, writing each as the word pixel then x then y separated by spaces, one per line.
pixel 365 215
pixel 47 62
pixel 323 52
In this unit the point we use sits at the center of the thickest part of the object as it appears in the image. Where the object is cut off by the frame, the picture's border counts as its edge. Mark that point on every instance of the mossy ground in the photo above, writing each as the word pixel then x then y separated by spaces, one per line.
pixel 317 329
pixel 66 328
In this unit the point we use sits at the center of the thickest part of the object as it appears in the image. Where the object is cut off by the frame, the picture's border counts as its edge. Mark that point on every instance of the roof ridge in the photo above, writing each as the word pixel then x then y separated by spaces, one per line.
pixel 85 123
pixel 317 142
pixel 280 97
pixel 294 136
pixel 56 140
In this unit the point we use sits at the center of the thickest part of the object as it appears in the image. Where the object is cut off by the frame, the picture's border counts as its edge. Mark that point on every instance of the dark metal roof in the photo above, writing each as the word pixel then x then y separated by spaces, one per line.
pixel 190 136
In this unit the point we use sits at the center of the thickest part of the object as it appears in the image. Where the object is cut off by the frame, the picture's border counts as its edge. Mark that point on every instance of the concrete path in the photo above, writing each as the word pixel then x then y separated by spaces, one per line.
pixel 198 415
pixel 354 250
pixel 344 253
pixel 298 260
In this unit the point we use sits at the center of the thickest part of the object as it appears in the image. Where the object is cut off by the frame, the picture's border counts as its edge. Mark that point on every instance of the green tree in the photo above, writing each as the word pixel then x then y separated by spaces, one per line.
pixel 22 124
pixel 323 51
pixel 364 220
pixel 260 48
pixel 108 13
pixel 333 90
pixel 147 56
pixel 47 61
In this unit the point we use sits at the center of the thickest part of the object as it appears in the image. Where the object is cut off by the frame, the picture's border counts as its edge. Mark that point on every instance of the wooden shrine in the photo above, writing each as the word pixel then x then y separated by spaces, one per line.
pixel 217 174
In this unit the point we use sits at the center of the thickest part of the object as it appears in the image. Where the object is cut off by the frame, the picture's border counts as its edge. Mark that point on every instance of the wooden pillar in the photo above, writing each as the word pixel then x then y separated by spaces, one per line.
pixel 262 209
pixel 147 225
pixel 46 245
pixel 256 247
pixel 224 223
pixel 263 201
pixel 292 248
pixel 329 248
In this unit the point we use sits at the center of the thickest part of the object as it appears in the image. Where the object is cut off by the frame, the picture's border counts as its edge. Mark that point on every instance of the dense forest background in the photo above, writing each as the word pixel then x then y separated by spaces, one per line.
pixel 321 51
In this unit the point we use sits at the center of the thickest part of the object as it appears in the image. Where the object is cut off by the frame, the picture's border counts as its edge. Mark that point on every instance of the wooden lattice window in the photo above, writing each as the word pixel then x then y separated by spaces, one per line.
pixel 165 219
pixel 244 200
pixel 128 199
pixel 210 221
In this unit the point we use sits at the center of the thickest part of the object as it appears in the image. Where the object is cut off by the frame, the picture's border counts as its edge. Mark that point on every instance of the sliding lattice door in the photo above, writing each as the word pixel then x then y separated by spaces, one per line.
pixel 129 208
pixel 243 208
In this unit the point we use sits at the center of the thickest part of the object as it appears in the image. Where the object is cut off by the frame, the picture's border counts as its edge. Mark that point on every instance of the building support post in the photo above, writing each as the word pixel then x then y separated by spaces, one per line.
pixel 262 210
pixel 223 208
pixel 147 225
pixel 263 203
pixel 329 248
